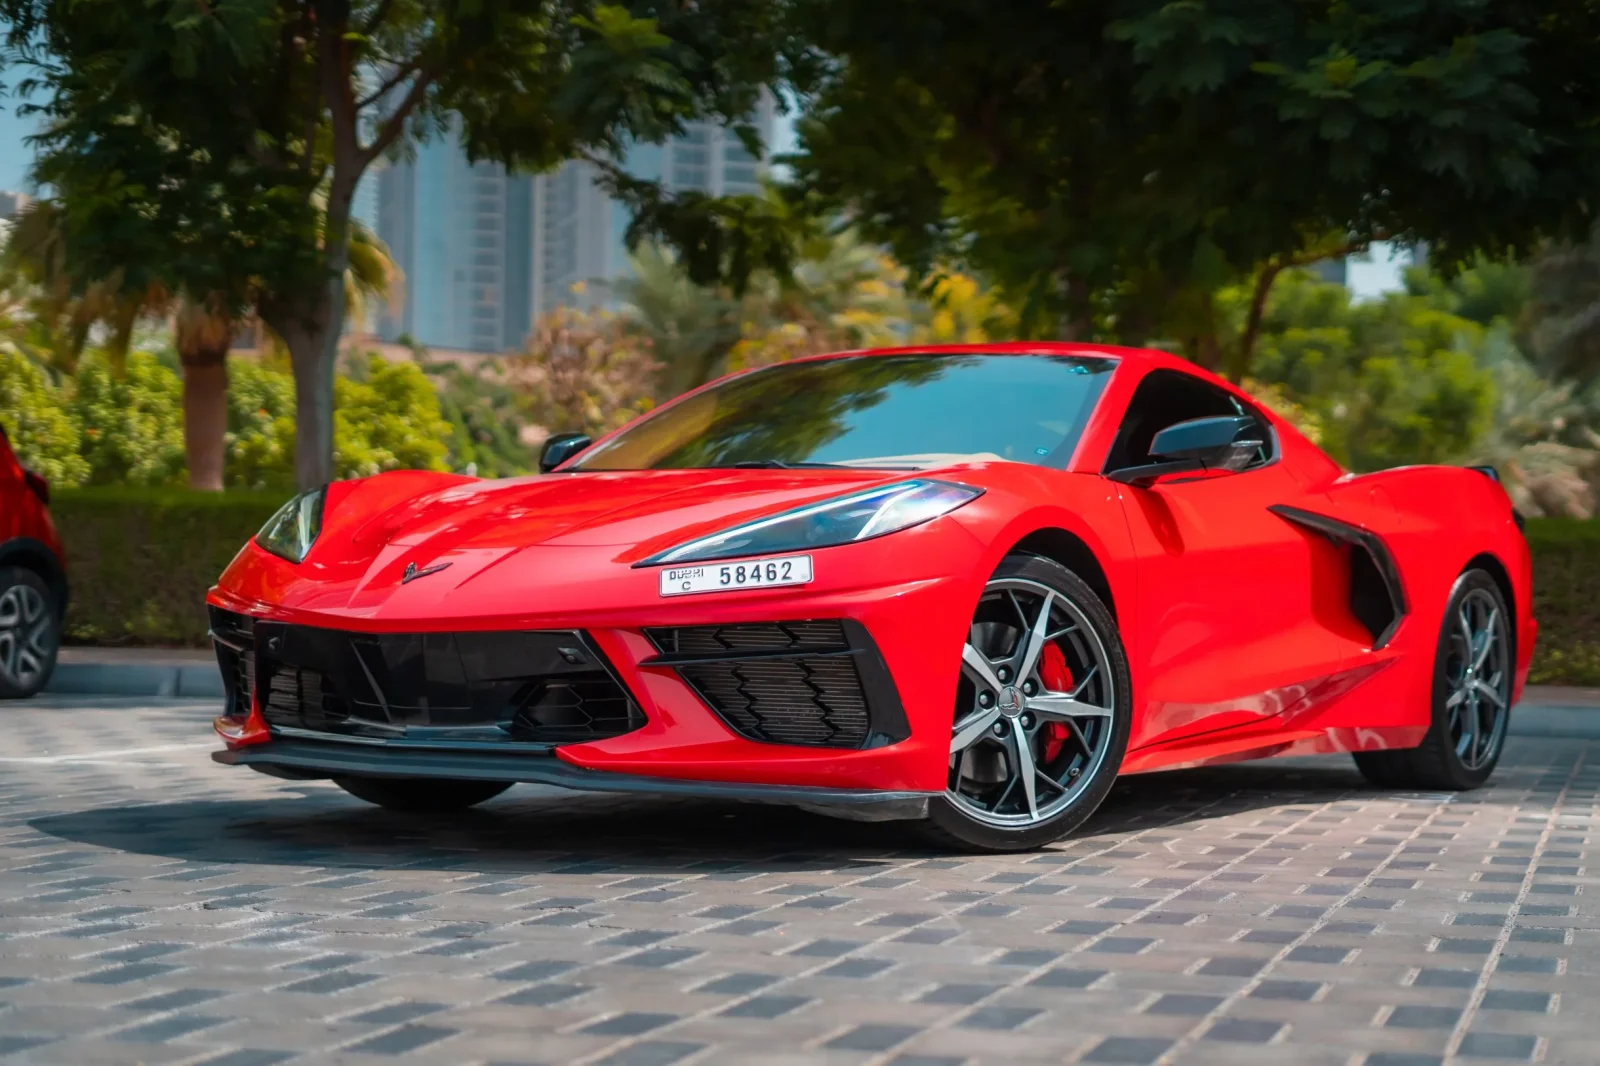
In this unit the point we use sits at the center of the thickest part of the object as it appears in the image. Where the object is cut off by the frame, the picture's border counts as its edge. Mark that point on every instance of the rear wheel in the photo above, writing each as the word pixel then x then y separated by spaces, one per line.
pixel 30 632
pixel 420 794
pixel 1042 712
pixel 1472 674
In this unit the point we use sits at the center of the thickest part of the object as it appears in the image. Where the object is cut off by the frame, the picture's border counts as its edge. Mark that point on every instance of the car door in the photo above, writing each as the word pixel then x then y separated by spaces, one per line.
pixel 1227 628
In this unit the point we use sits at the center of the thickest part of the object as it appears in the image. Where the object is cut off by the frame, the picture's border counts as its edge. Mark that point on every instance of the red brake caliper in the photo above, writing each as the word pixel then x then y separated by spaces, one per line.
pixel 1057 677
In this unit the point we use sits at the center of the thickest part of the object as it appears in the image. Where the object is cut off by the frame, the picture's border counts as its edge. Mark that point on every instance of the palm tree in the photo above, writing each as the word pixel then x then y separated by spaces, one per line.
pixel 66 310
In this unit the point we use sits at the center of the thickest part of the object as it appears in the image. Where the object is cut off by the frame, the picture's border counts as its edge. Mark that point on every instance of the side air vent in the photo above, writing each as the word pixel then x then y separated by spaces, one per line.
pixel 1377 598
pixel 815 683
pixel 233 638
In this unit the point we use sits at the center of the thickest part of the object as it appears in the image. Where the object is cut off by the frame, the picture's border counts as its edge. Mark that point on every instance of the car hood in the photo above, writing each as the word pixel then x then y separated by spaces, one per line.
pixel 373 530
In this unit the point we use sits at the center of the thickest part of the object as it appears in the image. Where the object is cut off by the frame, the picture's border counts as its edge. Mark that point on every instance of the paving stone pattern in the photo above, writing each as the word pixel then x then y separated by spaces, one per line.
pixel 156 908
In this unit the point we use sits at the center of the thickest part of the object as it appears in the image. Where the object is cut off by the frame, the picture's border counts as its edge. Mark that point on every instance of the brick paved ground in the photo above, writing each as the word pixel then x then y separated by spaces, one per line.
pixel 157 909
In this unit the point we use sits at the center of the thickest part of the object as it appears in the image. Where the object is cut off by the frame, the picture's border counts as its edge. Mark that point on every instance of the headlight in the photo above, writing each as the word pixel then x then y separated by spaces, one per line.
pixel 860 516
pixel 291 532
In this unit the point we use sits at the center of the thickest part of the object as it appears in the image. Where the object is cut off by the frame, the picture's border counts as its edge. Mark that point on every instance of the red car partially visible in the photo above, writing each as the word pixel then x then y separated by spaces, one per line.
pixel 33 579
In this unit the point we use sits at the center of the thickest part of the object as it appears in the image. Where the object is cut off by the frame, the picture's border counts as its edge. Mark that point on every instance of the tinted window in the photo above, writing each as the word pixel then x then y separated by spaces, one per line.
pixel 1165 398
pixel 886 410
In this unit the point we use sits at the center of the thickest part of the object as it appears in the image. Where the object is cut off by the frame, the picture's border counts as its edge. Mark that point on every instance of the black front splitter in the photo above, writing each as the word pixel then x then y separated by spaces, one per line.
pixel 298 759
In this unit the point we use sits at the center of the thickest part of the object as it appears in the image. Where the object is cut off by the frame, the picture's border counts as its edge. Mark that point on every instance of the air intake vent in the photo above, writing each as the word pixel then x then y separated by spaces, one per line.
pixel 812 701
pixel 826 635
pixel 303 699
pixel 575 710
pixel 817 682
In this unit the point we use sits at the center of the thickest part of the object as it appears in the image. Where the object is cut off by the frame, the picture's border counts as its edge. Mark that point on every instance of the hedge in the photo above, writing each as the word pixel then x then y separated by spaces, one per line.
pixel 140 562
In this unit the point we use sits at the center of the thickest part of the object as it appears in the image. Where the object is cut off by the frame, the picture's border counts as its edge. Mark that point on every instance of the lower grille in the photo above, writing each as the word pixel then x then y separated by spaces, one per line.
pixel 816 702
pixel 540 687
pixel 817 683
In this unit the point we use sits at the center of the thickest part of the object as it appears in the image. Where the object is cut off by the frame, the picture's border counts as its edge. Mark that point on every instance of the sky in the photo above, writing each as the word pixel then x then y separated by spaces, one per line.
pixel 14 155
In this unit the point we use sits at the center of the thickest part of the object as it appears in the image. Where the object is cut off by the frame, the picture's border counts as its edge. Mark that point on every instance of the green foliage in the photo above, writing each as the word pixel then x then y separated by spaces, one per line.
pixel 1390 382
pixel 215 148
pixel 1115 162
pixel 386 417
pixel 260 436
pixel 132 424
pixel 485 418
pixel 42 430
pixel 142 559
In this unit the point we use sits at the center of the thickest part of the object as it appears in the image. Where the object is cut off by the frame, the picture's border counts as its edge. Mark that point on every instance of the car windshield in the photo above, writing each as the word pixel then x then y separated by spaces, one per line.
pixel 887 411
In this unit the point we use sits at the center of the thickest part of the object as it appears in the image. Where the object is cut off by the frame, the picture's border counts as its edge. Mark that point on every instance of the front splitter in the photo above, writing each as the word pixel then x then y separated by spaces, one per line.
pixel 299 759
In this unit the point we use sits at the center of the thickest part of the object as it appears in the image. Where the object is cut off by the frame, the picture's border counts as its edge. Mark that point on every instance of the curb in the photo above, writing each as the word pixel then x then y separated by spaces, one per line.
pixel 191 681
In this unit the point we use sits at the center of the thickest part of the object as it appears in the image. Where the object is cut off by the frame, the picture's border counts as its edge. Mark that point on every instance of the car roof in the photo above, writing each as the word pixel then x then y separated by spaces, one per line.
pixel 1150 358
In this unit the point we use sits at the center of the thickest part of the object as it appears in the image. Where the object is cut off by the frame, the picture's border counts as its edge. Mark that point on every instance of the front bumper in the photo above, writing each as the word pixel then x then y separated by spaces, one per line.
pixel 915 624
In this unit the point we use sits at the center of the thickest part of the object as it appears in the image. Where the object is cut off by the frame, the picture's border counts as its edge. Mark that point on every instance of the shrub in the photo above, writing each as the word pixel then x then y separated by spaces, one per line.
pixel 1566 601
pixel 140 560
pixel 132 423
pixel 43 433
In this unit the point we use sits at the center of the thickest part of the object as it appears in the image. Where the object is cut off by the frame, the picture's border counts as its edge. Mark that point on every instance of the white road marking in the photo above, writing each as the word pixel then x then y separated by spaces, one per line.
pixel 115 755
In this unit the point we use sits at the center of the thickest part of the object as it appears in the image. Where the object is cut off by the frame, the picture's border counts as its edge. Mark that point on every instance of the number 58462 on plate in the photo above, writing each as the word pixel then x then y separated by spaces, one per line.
pixel 728 577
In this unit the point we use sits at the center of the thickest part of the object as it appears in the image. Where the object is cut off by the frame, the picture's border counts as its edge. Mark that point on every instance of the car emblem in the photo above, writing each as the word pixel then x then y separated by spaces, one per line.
pixel 1011 701
pixel 412 573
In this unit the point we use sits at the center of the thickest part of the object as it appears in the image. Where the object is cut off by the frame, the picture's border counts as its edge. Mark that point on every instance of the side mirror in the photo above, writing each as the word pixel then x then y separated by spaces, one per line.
pixel 1226 442
pixel 559 448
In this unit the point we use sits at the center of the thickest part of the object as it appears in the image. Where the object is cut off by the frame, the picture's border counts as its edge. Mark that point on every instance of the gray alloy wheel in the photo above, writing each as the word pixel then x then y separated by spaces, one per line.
pixel 1041 716
pixel 30 633
pixel 1478 671
pixel 1474 668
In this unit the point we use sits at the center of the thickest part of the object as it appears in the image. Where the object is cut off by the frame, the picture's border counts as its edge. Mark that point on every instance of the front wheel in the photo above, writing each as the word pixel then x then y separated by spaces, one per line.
pixel 1042 712
pixel 1474 663
pixel 30 632
pixel 420 794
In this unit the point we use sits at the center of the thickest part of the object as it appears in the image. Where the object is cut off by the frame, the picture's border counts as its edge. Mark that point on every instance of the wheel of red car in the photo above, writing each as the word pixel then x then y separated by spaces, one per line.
pixel 1474 663
pixel 1042 712
pixel 30 633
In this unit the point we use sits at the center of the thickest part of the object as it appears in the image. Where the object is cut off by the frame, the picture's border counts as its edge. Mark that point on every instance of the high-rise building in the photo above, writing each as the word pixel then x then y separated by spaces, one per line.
pixel 461 234
pixel 484 251
pixel 579 232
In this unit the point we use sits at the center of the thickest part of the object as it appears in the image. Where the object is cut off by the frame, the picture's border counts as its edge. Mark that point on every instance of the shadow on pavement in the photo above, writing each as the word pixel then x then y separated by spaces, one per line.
pixel 315 824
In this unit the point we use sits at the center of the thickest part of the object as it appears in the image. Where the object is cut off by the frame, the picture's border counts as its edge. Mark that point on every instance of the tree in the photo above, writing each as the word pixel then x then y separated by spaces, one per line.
pixel 270 114
pixel 1113 164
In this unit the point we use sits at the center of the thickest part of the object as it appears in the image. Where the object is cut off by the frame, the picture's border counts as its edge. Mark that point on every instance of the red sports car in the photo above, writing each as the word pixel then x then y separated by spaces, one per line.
pixel 33 579
pixel 967 586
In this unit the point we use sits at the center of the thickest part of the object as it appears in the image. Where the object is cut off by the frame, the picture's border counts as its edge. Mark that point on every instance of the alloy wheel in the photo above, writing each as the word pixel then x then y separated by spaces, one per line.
pixel 1034 708
pixel 1478 673
pixel 27 635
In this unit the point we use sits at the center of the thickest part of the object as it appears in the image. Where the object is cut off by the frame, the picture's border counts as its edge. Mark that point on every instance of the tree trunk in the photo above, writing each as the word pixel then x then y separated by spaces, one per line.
pixel 311 333
pixel 205 415
pixel 310 322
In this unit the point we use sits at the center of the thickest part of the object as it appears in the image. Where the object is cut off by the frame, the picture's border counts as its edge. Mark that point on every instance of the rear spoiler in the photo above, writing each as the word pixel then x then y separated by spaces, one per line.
pixel 1494 475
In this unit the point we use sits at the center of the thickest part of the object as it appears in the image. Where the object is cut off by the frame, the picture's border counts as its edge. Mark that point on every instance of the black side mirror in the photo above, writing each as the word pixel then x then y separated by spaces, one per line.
pixel 559 448
pixel 1226 442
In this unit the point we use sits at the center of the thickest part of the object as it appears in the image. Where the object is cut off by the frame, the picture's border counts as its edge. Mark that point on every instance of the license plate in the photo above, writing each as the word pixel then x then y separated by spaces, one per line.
pixel 727 577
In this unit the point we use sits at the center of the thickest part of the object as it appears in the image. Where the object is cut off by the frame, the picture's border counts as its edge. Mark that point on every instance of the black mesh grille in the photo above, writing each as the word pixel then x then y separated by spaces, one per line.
pixel 233 637
pixel 494 687
pixel 824 635
pixel 580 709
pixel 812 701
pixel 303 699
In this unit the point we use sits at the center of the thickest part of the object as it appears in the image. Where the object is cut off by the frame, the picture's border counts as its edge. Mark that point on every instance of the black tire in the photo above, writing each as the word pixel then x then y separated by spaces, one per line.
pixel 420 795
pixel 951 826
pixel 1435 764
pixel 30 632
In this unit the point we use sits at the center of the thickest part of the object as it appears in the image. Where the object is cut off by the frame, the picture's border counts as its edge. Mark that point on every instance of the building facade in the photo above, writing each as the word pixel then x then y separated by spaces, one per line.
pixel 485 252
